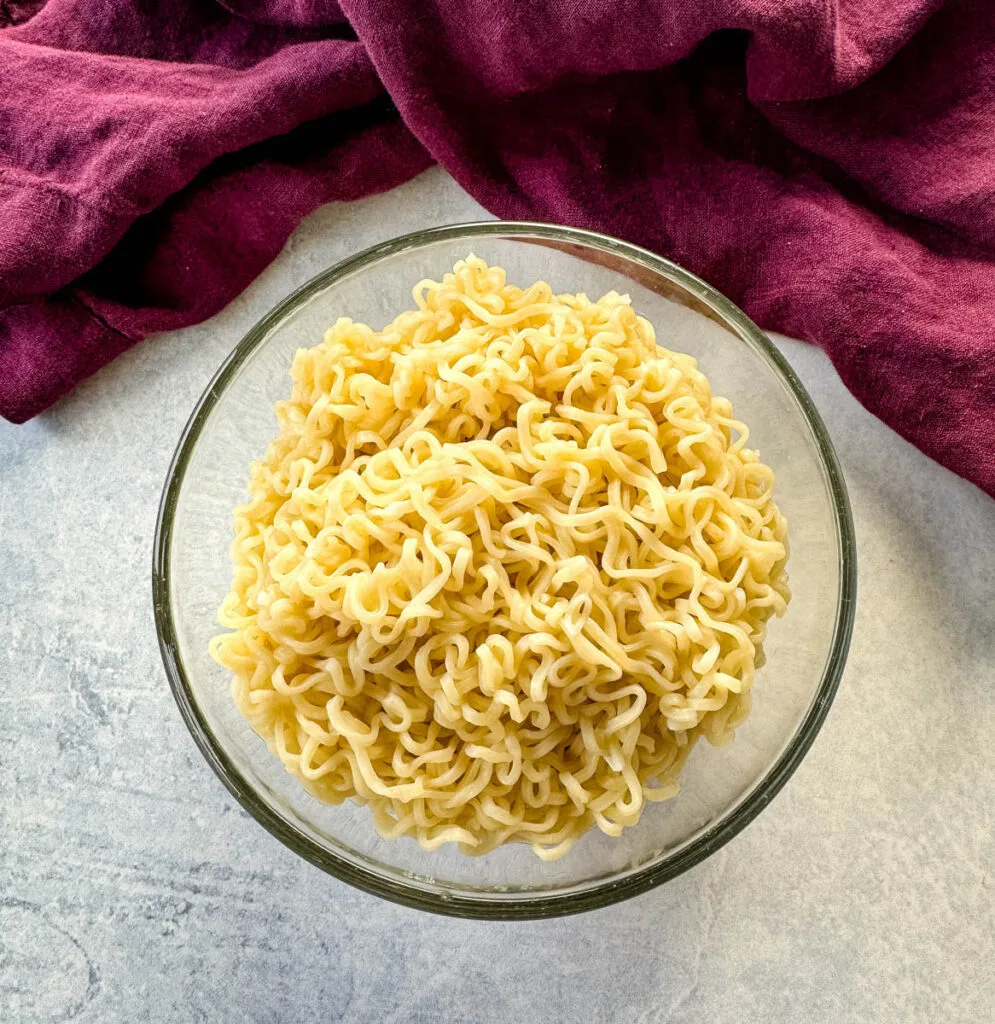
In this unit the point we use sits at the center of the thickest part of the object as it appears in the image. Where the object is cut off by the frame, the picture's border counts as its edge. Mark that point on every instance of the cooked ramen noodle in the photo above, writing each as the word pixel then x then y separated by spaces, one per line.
pixel 504 564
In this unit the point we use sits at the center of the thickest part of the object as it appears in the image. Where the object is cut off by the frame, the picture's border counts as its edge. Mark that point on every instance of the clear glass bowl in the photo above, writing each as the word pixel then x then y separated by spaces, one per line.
pixel 722 788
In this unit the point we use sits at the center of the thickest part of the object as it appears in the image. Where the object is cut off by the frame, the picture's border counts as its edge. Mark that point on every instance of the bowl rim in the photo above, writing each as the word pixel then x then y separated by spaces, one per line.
pixel 504 905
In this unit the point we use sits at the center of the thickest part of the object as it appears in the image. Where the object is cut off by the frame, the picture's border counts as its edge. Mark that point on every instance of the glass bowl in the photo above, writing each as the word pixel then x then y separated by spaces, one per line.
pixel 722 788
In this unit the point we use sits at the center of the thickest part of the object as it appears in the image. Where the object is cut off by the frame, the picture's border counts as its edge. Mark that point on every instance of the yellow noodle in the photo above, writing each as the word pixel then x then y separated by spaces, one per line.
pixel 505 563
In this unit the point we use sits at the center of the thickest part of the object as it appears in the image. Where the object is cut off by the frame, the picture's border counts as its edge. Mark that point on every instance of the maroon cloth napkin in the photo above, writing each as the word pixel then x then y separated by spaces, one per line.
pixel 829 166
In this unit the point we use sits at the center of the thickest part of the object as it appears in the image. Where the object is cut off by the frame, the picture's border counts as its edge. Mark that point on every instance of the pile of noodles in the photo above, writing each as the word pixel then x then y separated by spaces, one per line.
pixel 506 561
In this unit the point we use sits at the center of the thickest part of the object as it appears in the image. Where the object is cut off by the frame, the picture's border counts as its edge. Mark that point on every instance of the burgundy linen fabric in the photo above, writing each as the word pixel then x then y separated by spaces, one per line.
pixel 828 164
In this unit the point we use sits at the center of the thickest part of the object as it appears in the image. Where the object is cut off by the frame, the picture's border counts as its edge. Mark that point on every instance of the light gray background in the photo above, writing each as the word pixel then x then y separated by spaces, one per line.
pixel 132 887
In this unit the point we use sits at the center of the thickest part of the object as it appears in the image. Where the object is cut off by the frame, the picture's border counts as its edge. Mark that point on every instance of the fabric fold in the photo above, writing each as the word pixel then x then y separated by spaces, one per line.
pixel 830 167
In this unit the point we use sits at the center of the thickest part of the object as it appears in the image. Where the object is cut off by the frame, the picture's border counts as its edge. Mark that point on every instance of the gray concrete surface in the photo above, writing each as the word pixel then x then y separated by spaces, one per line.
pixel 133 888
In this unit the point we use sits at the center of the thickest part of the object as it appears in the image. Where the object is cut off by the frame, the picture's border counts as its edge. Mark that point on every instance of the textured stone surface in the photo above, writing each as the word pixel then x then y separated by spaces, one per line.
pixel 133 887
